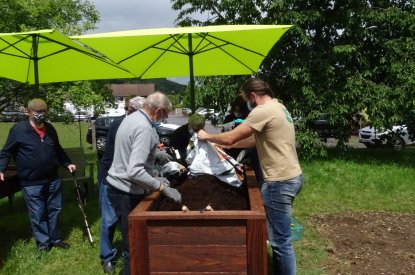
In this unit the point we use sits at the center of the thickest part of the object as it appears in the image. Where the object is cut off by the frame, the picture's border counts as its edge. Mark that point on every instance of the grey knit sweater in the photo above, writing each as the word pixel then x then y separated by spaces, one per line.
pixel 134 155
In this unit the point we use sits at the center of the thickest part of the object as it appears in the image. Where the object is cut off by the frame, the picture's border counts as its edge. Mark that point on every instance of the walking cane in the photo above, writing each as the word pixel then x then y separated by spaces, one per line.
pixel 81 202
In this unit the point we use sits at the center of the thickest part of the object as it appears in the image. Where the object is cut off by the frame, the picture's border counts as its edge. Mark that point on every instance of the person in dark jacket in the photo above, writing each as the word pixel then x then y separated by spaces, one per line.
pixel 108 218
pixel 34 146
pixel 181 136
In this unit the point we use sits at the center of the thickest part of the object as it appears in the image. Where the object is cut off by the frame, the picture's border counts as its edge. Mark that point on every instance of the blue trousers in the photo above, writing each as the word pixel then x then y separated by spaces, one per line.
pixel 108 225
pixel 44 204
pixel 278 197
pixel 123 204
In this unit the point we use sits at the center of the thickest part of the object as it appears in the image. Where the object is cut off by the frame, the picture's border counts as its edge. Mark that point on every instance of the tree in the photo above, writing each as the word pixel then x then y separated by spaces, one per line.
pixel 340 57
pixel 70 17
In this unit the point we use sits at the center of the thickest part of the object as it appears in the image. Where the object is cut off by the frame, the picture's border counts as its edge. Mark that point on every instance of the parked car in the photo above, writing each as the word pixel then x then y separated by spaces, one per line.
pixel 397 137
pixel 13 116
pixel 322 127
pixel 102 125
pixel 205 112
pixel 186 111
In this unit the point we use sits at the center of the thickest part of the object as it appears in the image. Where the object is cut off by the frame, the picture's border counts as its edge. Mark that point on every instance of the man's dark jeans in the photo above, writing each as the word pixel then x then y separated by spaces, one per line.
pixel 44 203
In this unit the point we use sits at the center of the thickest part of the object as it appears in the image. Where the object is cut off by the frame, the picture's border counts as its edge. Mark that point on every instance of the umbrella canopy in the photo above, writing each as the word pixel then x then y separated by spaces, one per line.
pixel 188 51
pixel 47 56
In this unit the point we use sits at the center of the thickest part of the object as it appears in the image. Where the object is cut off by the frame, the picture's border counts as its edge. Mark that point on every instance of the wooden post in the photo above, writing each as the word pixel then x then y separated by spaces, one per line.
pixel 94 135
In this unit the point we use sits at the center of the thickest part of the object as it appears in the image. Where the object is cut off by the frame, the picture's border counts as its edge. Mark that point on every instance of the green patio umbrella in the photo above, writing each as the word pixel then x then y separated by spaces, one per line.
pixel 188 51
pixel 47 56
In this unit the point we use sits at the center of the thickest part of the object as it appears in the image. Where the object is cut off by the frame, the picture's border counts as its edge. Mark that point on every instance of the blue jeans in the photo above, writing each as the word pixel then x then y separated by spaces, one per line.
pixel 278 197
pixel 44 204
pixel 123 204
pixel 108 225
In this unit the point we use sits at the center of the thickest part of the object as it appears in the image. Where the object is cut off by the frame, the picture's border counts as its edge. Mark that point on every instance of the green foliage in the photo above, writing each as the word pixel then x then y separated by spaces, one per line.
pixel 70 17
pixel 341 57
pixel 215 92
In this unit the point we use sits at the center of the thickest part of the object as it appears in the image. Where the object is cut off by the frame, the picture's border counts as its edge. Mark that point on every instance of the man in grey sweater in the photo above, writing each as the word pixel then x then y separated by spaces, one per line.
pixel 130 177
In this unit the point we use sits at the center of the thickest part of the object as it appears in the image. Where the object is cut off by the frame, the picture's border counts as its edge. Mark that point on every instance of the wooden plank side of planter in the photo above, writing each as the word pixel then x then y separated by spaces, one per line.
pixel 197 246
pixel 198 258
pixel 197 232
pixel 198 273
pixel 138 243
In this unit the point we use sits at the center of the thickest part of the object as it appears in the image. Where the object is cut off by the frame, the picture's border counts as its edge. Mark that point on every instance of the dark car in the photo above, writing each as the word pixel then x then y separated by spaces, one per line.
pixel 13 116
pixel 102 125
pixel 322 127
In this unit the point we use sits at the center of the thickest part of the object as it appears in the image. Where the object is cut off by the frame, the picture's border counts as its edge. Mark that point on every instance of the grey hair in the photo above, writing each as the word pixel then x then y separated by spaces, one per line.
pixel 158 100
pixel 35 102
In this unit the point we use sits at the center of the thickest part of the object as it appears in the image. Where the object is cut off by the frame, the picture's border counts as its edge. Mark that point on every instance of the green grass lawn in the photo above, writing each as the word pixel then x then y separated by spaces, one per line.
pixel 359 180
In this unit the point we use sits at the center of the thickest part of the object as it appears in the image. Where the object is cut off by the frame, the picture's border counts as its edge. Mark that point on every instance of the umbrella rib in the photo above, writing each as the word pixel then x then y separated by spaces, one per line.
pixel 95 56
pixel 154 46
pixel 163 51
pixel 220 47
pixel 13 46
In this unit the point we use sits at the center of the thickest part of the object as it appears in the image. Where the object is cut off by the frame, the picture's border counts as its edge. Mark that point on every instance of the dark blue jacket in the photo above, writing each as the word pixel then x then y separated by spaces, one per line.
pixel 37 160
pixel 106 160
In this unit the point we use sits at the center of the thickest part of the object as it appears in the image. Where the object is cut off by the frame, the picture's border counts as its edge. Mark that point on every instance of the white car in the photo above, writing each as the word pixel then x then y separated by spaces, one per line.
pixel 204 111
pixel 398 137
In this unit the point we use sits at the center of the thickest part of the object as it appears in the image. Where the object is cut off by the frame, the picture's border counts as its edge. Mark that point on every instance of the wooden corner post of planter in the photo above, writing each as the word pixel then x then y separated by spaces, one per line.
pixel 218 242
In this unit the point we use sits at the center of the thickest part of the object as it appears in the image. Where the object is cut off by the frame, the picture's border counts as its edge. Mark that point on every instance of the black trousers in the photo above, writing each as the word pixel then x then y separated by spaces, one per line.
pixel 123 203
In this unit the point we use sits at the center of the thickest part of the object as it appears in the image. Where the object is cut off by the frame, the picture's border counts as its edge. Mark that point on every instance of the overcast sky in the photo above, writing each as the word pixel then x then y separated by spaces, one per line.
pixel 119 15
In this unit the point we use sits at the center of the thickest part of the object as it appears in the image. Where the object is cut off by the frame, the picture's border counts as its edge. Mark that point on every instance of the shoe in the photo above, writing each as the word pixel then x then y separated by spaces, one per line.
pixel 108 267
pixel 61 245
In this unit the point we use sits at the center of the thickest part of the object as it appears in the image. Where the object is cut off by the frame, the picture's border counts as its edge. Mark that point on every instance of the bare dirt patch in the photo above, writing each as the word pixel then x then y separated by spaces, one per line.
pixel 369 243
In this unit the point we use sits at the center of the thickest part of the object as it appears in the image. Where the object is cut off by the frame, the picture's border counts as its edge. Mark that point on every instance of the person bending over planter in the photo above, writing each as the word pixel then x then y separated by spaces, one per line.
pixel 130 177
pixel 35 147
pixel 270 128
pixel 108 218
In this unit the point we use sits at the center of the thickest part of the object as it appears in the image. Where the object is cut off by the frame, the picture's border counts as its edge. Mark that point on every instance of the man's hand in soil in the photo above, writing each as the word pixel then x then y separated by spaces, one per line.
pixel 170 192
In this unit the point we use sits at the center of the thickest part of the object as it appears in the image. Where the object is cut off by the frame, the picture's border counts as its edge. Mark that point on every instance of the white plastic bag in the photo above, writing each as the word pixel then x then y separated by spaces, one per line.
pixel 172 168
pixel 204 159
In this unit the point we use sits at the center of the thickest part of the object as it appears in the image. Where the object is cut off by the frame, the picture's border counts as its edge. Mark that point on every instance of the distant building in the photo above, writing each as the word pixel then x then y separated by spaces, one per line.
pixel 122 91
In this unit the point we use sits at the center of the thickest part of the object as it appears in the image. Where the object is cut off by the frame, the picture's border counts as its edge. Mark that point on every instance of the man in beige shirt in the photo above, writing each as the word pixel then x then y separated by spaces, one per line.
pixel 269 127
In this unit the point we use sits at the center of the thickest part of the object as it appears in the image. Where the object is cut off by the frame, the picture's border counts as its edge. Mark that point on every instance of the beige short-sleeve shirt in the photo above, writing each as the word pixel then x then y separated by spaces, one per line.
pixel 275 141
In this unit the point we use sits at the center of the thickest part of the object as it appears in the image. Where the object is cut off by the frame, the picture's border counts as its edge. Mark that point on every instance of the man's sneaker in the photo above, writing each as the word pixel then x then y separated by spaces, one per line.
pixel 61 245
pixel 108 267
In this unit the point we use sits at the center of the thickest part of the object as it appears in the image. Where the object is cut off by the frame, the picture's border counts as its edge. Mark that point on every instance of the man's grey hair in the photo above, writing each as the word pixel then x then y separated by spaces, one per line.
pixel 37 103
pixel 158 100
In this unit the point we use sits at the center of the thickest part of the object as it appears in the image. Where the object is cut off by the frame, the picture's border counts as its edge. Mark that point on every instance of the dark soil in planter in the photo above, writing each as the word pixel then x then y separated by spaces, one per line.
pixel 198 192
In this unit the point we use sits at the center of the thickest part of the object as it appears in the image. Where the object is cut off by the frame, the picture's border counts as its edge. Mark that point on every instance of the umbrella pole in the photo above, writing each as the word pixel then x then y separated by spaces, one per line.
pixel 35 63
pixel 192 78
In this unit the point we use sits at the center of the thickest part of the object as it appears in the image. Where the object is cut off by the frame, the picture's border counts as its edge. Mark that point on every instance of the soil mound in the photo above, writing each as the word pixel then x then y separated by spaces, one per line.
pixel 198 192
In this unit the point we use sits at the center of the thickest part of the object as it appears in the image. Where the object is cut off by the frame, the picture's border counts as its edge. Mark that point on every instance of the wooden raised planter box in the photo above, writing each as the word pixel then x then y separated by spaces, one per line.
pixel 218 242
